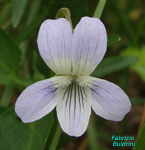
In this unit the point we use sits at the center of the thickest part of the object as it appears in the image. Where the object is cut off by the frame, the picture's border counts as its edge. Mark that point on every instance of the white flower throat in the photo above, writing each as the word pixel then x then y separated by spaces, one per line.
pixel 81 81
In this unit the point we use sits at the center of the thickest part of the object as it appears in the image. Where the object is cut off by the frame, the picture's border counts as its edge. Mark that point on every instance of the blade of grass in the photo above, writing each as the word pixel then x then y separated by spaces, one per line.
pixel 142 120
pixel 139 143
pixel 24 44
pixel 122 16
pixel 139 32
pixel 99 9
pixel 34 11
pixel 26 32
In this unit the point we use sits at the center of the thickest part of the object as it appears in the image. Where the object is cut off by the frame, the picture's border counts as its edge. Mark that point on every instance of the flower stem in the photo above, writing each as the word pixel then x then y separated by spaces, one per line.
pixel 92 135
pixel 65 12
pixel 56 137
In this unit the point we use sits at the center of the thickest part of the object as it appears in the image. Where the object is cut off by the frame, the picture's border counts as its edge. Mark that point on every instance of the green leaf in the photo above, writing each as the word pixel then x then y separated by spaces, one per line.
pixel 139 67
pixel 10 57
pixel 16 135
pixel 110 65
pixel 99 9
pixel 18 10
pixel 139 143
pixel 112 39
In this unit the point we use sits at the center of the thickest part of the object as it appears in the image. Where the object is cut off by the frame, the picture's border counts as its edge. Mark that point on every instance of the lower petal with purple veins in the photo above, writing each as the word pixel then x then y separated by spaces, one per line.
pixel 39 99
pixel 74 109
pixel 108 100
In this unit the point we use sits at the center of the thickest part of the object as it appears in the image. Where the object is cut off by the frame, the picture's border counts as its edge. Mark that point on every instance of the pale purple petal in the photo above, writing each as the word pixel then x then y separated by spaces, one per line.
pixel 37 100
pixel 74 109
pixel 53 40
pixel 88 45
pixel 109 100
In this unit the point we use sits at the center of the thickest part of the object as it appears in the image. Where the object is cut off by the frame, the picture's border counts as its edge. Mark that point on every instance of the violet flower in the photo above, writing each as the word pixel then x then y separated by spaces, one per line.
pixel 73 57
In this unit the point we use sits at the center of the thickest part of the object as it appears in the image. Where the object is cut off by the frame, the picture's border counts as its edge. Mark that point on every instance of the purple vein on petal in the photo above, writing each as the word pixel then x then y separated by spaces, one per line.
pixel 102 105
pixel 42 90
pixel 84 91
pixel 68 92
pixel 106 91
pixel 75 84
pixel 82 96
pixel 43 98
pixel 79 100
pixel 70 98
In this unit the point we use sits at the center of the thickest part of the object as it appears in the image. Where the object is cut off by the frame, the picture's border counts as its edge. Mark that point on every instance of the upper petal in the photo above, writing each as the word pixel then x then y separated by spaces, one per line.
pixel 53 40
pixel 74 109
pixel 38 99
pixel 108 100
pixel 88 45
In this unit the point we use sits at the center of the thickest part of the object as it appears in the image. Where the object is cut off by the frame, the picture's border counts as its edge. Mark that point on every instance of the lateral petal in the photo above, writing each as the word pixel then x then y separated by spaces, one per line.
pixel 88 45
pixel 108 100
pixel 74 109
pixel 53 40
pixel 38 99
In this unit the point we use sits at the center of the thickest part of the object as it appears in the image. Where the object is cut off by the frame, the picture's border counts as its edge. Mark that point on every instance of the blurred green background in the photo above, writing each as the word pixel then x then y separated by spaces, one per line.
pixel 21 65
